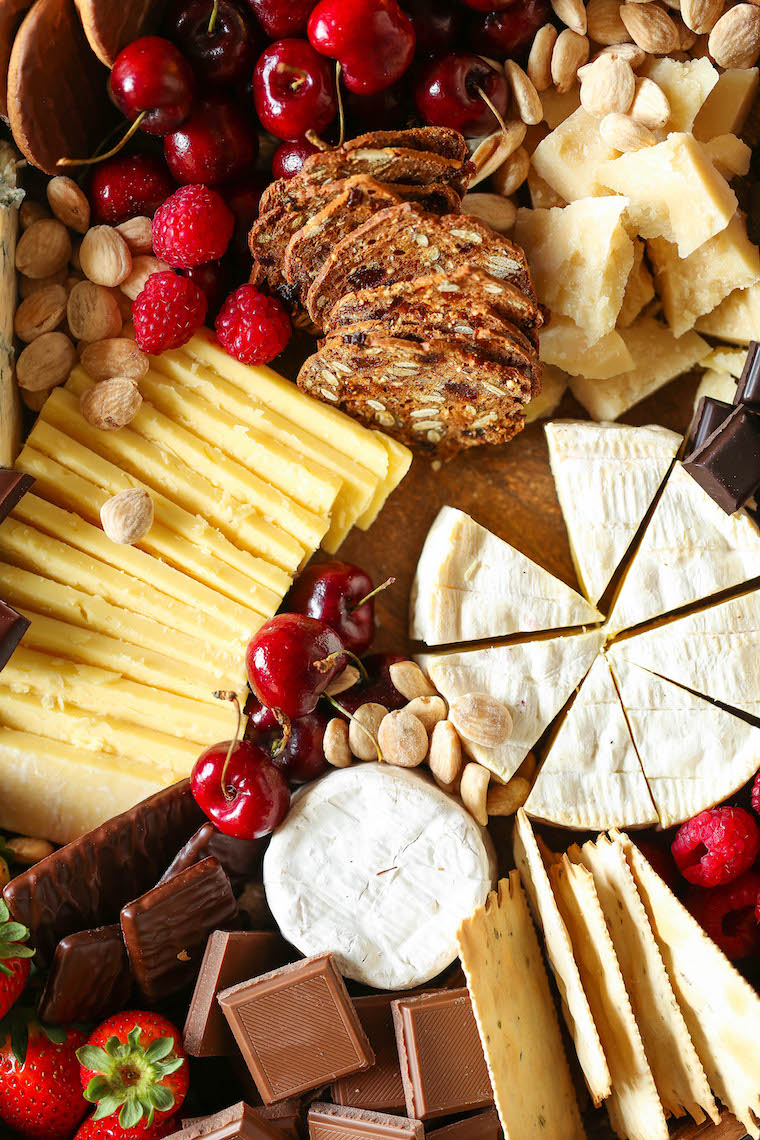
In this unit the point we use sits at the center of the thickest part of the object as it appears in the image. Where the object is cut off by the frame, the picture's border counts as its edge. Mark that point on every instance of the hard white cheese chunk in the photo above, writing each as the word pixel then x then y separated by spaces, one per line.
pixel 569 158
pixel 730 155
pixel 737 319
pixel 725 109
pixel 686 84
pixel 564 345
pixel 639 289
pixel 554 384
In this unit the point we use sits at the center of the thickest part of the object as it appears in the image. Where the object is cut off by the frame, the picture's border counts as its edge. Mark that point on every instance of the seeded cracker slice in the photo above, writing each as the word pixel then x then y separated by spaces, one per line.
pixel 575 1006
pixel 516 1018
pixel 634 1107
pixel 440 140
pixel 721 1009
pixel 677 1070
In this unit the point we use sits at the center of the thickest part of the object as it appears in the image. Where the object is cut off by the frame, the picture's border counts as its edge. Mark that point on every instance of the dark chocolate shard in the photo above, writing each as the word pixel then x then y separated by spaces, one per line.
pixel 241 858
pixel 89 978
pixel 13 486
pixel 727 465
pixel 709 415
pixel 13 626
pixel 748 389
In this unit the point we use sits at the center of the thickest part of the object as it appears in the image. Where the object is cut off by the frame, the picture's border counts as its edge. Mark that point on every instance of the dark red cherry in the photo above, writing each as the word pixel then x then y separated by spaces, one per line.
pixel 294 89
pixel 437 24
pixel 281 18
pixel 221 56
pixel 302 757
pixel 504 34
pixel 490 5
pixel 129 186
pixel 334 592
pixel 246 797
pixel 291 661
pixel 373 40
pixel 216 143
pixel 379 688
pixel 243 196
pixel 151 75
pixel 447 93
pixel 290 157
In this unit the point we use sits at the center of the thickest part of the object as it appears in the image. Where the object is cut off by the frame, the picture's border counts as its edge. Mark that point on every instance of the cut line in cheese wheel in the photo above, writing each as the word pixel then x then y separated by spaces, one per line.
pixel 378 866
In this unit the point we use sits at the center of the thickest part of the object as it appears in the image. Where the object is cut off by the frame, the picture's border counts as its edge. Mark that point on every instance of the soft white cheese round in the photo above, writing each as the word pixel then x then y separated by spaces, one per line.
pixel 377 866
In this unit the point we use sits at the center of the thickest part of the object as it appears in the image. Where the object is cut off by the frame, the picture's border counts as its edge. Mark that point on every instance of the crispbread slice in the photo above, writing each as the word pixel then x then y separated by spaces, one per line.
pixel 634 1107
pixel 518 1026
pixel 721 1009
pixel 444 141
pixel 575 1006
pixel 387 164
pixel 677 1070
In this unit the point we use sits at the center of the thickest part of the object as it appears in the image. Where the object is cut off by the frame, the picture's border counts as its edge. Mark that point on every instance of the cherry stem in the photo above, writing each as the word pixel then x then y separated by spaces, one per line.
pixel 287 732
pixel 351 717
pixel 341 112
pixel 212 18
pixel 228 695
pixel 327 663
pixel 312 137
pixel 372 594
pixel 134 128
pixel 491 107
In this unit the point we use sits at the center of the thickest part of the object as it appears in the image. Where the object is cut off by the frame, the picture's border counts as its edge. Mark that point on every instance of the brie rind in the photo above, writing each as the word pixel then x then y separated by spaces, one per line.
pixel 534 679
pixel 606 476
pixel 694 754
pixel 591 776
pixel 378 866
pixel 471 585
pixel 690 550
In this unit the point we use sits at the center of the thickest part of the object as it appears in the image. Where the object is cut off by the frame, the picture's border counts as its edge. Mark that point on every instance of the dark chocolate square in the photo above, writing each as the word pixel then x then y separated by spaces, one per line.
pixel 727 465
pixel 13 486
pixel 13 626
pixel 89 978
pixel 748 389
pixel 710 414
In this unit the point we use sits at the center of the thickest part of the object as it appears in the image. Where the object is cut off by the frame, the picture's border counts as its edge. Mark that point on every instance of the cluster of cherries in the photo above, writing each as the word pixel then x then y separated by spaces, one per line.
pixel 328 618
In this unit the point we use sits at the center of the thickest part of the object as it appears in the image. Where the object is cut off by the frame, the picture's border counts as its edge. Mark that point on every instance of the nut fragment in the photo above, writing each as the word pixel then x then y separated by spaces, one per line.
pixel 335 744
pixel 143 267
pixel 430 710
pixel 572 13
pixel 701 15
pixel 631 53
pixel 111 404
pixel 539 65
pixel 650 105
pixel 608 86
pixel 493 209
pixel 27 849
pixel 345 680
pixel 104 256
pixel 474 791
pixel 5 874
pixel 528 768
pixel 403 739
pixel 128 516
pixel 92 312
pixel 410 681
pixel 650 27
pixel 29 285
pixel 506 799
pixel 445 757
pixel 117 356
pixel 512 173
pixel 481 719
pixel 46 362
pixel 570 52
pixel 35 401
pixel 69 203
pixel 527 100
pixel 40 313
pixel 43 249
pixel 495 148
pixel 138 234
pixel 604 23
pixel 32 212
pixel 735 39
pixel 624 134
pixel 362 732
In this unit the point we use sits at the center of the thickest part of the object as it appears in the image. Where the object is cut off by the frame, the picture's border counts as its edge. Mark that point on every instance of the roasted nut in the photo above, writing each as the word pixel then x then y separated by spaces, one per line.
pixel 701 15
pixel 138 234
pixel 528 768
pixel 539 65
pixel 35 401
pixel 69 203
pixel 481 719
pixel 92 312
pixel 570 52
pixel 506 799
pixel 631 53
pixel 607 87
pixel 29 285
pixel 572 13
pixel 143 267
pixel 32 212
pixel 118 356
pixel 512 173
pixel 429 710
pixel 403 739
pixel 111 404
pixel 624 134
pixel 5 874
pixel 104 256
pixel 128 516
pixel 40 313
pixel 735 40
pixel 650 27
pixel 345 680
pixel 526 98
pixel 493 209
pixel 604 23
pixel 451 789
pixel 29 850
pixel 495 149
pixel 410 681
pixel 46 362
pixel 362 732
pixel 650 105
pixel 43 249
pixel 474 791
pixel 445 757
pixel 335 744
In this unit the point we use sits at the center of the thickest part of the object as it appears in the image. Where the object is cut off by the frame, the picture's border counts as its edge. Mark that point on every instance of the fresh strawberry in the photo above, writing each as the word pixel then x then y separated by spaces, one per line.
pixel 109 1129
pixel 40 1094
pixel 14 959
pixel 134 1063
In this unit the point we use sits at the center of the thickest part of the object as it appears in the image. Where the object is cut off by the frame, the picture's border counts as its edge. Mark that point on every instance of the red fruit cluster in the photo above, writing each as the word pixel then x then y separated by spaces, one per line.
pixel 167 312
pixel 252 327
pixel 194 226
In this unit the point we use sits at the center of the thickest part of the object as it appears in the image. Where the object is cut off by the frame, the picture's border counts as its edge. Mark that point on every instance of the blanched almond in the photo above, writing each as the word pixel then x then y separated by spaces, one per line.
pixel 46 362
pixel 104 256
pixel 410 681
pixel 539 65
pixel 650 105
pixel 526 98
pixel 143 267
pixel 735 39
pixel 430 710
pixel 111 404
pixel 631 53
pixel 402 738
pixel 604 23
pixel 29 285
pixel 495 149
pixel 570 52
pixel 607 86
pixel 69 203
pixel 506 799
pixel 474 791
pixel 92 312
pixel 117 356
pixel 572 13
pixel 481 719
pixel 127 517
pixel 343 682
pixel 138 234
pixel 445 757
pixel 686 38
pixel 493 209
pixel 701 15
pixel 28 849
pixel 362 731
pixel 650 27
pixel 512 173
pixel 335 744
pixel 43 249
pixel 40 313
pixel 625 134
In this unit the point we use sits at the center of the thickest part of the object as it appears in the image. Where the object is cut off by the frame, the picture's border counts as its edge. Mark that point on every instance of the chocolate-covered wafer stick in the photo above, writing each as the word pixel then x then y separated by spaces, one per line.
pixel 241 858
pixel 89 978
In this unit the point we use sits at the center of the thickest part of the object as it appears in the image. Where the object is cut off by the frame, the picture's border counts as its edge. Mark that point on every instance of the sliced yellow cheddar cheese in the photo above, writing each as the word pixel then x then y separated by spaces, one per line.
pixel 399 462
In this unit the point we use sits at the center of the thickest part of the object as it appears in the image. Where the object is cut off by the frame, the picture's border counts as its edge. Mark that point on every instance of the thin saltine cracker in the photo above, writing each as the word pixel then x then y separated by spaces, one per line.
pixel 677 1070
pixel 720 1008
pixel 634 1107
pixel 575 1006
pixel 517 1021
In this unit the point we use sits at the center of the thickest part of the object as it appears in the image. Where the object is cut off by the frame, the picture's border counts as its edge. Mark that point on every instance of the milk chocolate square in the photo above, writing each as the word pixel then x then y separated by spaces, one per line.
pixel 238 1120
pixel 339 1122
pixel 296 1028
pixel 379 1087
pixel 479 1126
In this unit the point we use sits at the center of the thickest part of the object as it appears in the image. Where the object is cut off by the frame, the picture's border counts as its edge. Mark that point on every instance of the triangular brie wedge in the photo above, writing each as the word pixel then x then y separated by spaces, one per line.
pixel 694 754
pixel 575 1006
pixel 721 1009
pixel 471 585
pixel 715 651
pixel 690 550
pixel 677 1070
pixel 606 476
pixel 591 776
pixel 634 1107
pixel 534 679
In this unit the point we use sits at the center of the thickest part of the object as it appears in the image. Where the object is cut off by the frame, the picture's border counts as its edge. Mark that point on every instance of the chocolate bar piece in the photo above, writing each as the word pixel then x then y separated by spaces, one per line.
pixel 230 957
pixel 237 1120
pixel 479 1126
pixel 338 1122
pixel 709 415
pixel 165 930
pixel 13 486
pixel 748 389
pixel 287 1115
pixel 86 883
pixel 727 465
pixel 241 858
pixel 296 1028
pixel 442 1063
pixel 12 628
pixel 379 1087
pixel 89 978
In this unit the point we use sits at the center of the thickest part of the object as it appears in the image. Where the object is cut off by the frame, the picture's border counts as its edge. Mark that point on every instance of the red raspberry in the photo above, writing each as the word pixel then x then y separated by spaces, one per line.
pixel 755 793
pixel 192 227
pixel 730 915
pixel 252 327
pixel 167 312
pixel 716 846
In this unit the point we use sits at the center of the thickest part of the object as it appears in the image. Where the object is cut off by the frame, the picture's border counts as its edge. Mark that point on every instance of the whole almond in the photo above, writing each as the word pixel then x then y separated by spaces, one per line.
pixel 118 356
pixel 735 39
pixel 92 312
pixel 40 313
pixel 572 13
pixel 445 756
pixel 32 212
pixel 625 134
pixel 430 710
pixel 362 731
pixel 701 15
pixel 335 744
pixel 539 65
pixel 410 681
pixel 104 256
pixel 43 249
pixel 526 98
pixel 607 87
pixel 143 267
pixel 29 285
pixel 35 401
pixel 570 52
pixel 493 209
pixel 506 799
pixel 127 517
pixel 69 203
pixel 686 37
pixel 138 234
pixel 402 738
pixel 481 719
pixel 474 791
pixel 111 404
pixel 650 27
pixel 604 23
pixel 46 362
pixel 28 849
pixel 631 53
pixel 343 682
pixel 650 105
pixel 512 173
